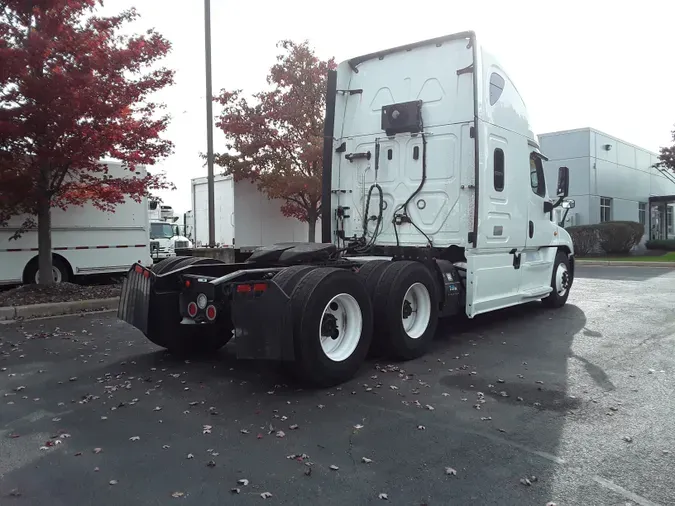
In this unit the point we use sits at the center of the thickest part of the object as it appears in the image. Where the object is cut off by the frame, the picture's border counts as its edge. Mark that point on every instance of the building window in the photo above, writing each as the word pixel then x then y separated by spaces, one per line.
pixel 670 220
pixel 642 213
pixel 499 170
pixel 537 179
pixel 605 209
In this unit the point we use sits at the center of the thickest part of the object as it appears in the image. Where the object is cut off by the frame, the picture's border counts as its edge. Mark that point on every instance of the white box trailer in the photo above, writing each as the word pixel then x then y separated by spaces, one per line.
pixel 85 241
pixel 245 218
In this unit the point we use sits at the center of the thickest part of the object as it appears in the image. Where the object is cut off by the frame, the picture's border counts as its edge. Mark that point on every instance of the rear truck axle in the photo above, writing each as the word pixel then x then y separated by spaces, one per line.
pixel 318 319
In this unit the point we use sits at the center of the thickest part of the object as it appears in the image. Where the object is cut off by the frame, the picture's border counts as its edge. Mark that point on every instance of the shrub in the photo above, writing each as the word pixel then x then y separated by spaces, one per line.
pixel 611 237
pixel 619 237
pixel 586 239
pixel 661 244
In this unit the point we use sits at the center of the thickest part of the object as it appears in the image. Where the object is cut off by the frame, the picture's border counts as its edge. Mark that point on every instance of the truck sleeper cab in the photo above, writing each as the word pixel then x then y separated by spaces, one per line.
pixel 434 203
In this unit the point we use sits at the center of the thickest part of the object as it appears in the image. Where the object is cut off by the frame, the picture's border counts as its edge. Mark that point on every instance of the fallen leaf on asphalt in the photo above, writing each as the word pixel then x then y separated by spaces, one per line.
pixel 190 456
pixel 525 481
pixel 450 471
pixel 235 490
pixel 383 496
pixel 15 492
pixel 78 454
pixel 485 418
pixel 19 388
pixel 265 495
pixel 96 469
pixel 421 427
pixel 97 450
pixel 259 436
pixel 207 429
pixel 178 494
pixel 244 431
pixel 308 471
pixel 113 482
pixel 393 387
pixel 551 504
pixel 519 399
pixel 628 439
pixel 293 427
pixel 56 419
pixel 104 418
pixel 321 406
pixel 157 408
pixel 366 460
pixel 74 378
pixel 334 467
pixel 500 381
pixel 242 481
pixel 194 403
pixel 280 433
pixel 540 382
pixel 134 438
pixel 651 371
pixel 358 426
pixel 429 407
pixel 211 463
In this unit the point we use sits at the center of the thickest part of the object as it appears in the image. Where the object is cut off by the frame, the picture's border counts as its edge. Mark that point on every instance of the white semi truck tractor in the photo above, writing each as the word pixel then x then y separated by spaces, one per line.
pixel 434 204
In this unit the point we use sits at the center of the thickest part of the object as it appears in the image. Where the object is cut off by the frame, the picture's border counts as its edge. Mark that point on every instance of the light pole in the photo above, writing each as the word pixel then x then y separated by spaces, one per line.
pixel 209 123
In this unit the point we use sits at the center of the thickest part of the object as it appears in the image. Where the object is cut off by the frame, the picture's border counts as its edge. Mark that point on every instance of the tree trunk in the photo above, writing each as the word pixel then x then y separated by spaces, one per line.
pixel 311 222
pixel 44 219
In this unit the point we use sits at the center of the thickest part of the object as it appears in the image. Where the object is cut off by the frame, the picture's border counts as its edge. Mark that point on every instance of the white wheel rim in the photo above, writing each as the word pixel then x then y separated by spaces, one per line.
pixel 416 310
pixel 55 272
pixel 340 327
pixel 561 279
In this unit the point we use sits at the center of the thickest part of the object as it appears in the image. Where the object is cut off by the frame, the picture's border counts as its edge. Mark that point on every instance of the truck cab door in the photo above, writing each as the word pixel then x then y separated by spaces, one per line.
pixel 538 256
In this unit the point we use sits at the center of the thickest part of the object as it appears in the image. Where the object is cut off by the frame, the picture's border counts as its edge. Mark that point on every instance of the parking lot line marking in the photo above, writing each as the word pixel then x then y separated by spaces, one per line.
pixel 622 491
pixel 491 437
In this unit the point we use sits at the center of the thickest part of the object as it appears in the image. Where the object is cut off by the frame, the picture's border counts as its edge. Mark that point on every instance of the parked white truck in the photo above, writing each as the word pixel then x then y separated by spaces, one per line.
pixel 245 218
pixel 166 235
pixel 85 241
pixel 434 204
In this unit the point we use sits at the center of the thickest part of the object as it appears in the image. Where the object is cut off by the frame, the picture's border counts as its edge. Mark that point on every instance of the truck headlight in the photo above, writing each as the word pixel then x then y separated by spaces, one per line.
pixel 202 301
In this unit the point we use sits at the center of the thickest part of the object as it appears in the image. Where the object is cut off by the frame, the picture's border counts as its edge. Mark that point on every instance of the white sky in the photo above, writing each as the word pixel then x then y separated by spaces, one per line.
pixel 576 63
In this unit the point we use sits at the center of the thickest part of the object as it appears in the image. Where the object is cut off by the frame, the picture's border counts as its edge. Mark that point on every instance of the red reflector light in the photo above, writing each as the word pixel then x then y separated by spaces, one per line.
pixel 260 287
pixel 192 309
pixel 211 312
pixel 187 283
pixel 139 269
pixel 243 288
pixel 146 274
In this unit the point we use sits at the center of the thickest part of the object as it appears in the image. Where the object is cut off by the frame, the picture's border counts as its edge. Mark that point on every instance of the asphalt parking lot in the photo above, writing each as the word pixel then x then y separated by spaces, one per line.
pixel 578 402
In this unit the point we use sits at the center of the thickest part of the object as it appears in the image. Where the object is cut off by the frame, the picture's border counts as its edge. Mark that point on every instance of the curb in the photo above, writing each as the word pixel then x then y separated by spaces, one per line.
pixel 58 308
pixel 610 263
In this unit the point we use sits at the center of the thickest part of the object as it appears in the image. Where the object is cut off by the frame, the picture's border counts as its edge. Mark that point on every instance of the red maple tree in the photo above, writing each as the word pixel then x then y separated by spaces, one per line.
pixel 277 141
pixel 73 91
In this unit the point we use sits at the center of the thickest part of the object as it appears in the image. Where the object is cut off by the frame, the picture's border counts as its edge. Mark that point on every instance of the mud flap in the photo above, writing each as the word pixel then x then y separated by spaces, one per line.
pixel 263 327
pixel 135 297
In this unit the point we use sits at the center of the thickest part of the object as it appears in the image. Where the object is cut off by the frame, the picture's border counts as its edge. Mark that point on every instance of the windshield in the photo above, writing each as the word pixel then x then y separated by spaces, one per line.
pixel 161 231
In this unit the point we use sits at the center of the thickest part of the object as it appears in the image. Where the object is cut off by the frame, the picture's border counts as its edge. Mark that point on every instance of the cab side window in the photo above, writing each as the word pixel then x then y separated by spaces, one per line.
pixel 537 180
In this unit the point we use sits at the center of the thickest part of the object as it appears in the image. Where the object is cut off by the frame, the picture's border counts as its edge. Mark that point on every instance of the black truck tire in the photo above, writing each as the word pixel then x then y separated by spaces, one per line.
pixel 370 273
pixel 561 282
pixel 164 327
pixel 290 277
pixel 406 310
pixel 166 264
pixel 332 326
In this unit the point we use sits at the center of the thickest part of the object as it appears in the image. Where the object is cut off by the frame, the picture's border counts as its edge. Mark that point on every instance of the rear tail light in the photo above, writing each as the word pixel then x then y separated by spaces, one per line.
pixel 255 287
pixel 192 309
pixel 211 313
pixel 146 274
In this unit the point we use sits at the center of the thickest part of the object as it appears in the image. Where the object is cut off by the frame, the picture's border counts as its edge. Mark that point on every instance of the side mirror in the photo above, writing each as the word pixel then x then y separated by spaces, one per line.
pixel 563 182
pixel 568 204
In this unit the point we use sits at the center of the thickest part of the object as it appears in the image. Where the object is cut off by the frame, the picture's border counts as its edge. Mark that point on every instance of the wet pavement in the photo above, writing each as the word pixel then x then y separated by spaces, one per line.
pixel 577 401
